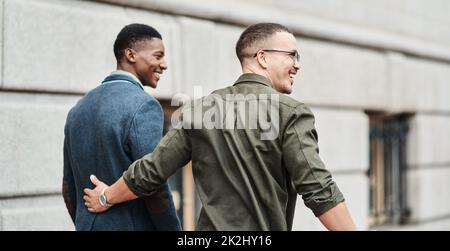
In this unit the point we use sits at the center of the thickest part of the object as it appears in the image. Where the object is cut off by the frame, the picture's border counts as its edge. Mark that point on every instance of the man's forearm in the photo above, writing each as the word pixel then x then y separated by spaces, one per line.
pixel 119 192
pixel 338 218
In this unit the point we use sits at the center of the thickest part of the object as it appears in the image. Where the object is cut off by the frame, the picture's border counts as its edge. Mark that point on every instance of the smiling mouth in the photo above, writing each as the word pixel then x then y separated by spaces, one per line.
pixel 292 75
pixel 157 74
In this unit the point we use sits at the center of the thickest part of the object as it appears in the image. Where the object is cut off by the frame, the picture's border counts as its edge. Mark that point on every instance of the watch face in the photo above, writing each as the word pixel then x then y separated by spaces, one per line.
pixel 102 199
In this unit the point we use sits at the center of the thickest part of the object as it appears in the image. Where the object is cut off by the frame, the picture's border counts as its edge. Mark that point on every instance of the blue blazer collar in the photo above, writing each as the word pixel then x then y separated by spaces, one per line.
pixel 121 77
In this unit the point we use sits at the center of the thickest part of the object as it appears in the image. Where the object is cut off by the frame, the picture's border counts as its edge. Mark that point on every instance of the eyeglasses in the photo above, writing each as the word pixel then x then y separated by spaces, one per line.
pixel 294 54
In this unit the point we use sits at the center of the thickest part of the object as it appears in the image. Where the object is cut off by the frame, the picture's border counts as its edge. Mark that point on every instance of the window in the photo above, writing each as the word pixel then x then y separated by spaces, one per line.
pixel 388 169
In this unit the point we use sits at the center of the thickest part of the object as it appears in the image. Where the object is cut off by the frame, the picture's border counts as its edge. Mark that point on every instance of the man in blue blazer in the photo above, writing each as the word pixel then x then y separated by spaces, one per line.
pixel 112 126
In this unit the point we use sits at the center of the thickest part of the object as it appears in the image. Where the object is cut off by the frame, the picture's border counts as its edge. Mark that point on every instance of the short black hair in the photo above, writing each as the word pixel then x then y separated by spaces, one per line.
pixel 256 33
pixel 130 35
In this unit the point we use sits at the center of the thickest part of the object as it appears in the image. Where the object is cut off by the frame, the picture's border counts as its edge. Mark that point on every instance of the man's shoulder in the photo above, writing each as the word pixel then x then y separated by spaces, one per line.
pixel 114 98
pixel 287 102
pixel 123 91
pixel 291 108
pixel 222 91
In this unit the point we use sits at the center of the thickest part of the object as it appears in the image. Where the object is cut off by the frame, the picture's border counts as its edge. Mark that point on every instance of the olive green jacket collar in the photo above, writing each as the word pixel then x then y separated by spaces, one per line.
pixel 255 78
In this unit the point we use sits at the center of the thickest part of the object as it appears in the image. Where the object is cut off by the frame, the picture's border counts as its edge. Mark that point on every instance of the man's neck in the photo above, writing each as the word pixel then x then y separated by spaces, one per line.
pixel 121 67
pixel 130 72
pixel 250 69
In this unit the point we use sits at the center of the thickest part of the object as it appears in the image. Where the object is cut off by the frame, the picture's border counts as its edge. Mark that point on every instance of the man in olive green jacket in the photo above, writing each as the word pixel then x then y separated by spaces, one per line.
pixel 253 149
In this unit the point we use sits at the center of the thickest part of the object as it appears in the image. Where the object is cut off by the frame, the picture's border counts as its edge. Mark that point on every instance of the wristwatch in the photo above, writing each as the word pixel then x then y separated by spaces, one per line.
pixel 102 199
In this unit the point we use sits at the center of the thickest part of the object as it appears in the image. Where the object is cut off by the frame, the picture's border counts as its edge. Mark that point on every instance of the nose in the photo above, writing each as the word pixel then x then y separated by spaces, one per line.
pixel 163 65
pixel 296 65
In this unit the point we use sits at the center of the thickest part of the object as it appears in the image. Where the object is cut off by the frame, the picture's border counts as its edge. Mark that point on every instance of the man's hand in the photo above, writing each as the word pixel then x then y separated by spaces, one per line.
pixel 116 193
pixel 91 196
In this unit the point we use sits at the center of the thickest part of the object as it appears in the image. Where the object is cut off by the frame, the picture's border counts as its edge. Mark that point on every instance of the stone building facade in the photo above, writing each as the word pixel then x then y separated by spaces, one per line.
pixel 375 73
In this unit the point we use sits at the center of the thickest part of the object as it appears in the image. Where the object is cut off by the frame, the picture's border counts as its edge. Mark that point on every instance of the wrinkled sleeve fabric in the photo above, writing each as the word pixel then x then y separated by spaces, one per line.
pixel 301 160
pixel 145 133
pixel 68 183
pixel 146 129
pixel 146 175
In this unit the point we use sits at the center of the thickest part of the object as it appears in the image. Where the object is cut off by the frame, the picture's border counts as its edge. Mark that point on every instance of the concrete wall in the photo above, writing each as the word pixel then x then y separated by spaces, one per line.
pixel 31 160
pixel 34 213
pixel 379 55
pixel 429 168
pixel 412 18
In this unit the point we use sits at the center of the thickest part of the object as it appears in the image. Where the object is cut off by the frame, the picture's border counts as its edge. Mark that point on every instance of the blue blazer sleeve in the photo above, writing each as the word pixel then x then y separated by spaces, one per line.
pixel 146 129
pixel 68 184
pixel 144 135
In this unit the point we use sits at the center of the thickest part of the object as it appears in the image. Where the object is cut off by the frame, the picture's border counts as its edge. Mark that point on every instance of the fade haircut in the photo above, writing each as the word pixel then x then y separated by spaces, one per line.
pixel 132 34
pixel 255 34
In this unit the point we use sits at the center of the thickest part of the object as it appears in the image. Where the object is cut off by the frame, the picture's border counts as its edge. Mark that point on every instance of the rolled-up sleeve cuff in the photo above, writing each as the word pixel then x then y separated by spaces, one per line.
pixel 325 206
pixel 320 206
pixel 128 178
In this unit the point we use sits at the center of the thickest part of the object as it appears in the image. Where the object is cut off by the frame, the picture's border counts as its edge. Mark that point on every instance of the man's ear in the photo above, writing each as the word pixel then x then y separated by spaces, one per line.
pixel 130 55
pixel 261 59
